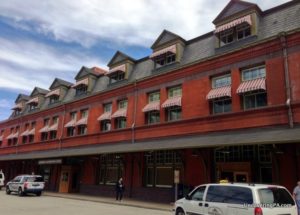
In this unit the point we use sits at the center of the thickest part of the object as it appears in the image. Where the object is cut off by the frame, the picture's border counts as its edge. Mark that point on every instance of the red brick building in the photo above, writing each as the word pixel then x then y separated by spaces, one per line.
pixel 223 105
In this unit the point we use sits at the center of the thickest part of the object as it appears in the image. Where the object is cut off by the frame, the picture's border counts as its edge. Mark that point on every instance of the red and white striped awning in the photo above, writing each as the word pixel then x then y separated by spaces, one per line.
pixel 171 102
pixel 82 121
pixel 34 100
pixel 1 138
pixel 53 127
pixel 219 92
pixel 18 106
pixel 53 92
pixel 10 136
pixel 234 23
pixel 252 85
pixel 71 123
pixel 105 116
pixel 44 129
pixel 25 133
pixel 31 132
pixel 121 68
pixel 171 49
pixel 81 82
pixel 152 106
pixel 120 113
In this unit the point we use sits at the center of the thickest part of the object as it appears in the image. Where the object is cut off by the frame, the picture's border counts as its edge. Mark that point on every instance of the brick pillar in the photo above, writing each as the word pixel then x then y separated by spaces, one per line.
pixel 235 82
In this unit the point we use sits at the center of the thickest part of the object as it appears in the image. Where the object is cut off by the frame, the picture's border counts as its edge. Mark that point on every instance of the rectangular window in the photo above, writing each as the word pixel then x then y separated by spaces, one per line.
pixel 116 77
pixel 254 73
pixel 153 97
pixel 255 100
pixel 15 141
pixel 71 131
pixel 81 90
pixel 44 136
pixel 26 126
pixel 221 106
pixel 24 139
pixel 55 120
pixel 17 128
pixel 53 135
pixel 120 122
pixel 153 117
pixel 32 125
pixel 82 129
pixel 243 30
pixel 33 106
pixel 105 125
pixel 165 59
pixel 53 99
pixel 122 104
pixel 46 122
pixel 221 81
pixel 31 138
pixel 17 112
pixel 173 113
pixel 73 115
pixel 84 113
pixel 226 37
pixel 111 169
pixel 174 91
pixel 107 107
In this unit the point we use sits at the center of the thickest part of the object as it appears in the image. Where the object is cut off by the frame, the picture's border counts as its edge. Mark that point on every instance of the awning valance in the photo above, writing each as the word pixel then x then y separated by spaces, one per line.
pixel 71 123
pixel 53 92
pixel 171 49
pixel 152 106
pixel 25 133
pixel 33 100
pixel 105 116
pixel 31 132
pixel 53 127
pixel 13 135
pixel 219 93
pixel 120 113
pixel 44 129
pixel 121 68
pixel 171 102
pixel 81 82
pixel 18 106
pixel 234 23
pixel 82 121
pixel 252 85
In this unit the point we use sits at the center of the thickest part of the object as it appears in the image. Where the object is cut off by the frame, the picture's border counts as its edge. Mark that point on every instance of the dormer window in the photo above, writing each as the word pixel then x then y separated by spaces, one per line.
pixel 17 109
pixel 117 73
pixel 164 56
pixel 53 99
pixel 243 31
pixel 81 87
pixel 33 103
pixel 53 96
pixel 226 37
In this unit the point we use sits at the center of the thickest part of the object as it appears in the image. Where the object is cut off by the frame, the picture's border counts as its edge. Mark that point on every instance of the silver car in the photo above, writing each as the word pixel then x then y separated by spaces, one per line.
pixel 24 184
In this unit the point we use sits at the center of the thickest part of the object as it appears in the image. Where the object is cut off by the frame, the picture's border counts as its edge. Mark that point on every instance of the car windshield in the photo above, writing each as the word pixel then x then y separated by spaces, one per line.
pixel 275 196
pixel 34 179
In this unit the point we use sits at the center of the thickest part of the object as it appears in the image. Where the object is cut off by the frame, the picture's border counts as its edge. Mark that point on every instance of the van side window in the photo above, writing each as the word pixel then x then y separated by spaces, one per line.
pixel 197 195
pixel 229 194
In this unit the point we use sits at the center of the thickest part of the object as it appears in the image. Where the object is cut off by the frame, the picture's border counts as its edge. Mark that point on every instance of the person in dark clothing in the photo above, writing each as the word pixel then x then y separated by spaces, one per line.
pixel 119 189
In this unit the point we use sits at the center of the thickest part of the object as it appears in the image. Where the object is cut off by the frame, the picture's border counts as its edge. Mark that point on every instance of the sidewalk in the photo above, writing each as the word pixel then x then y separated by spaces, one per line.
pixel 107 200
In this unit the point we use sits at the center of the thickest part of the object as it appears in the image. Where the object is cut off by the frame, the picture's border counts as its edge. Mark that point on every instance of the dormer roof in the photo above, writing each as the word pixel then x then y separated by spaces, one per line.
pixel 22 97
pixel 37 91
pixel 84 71
pixel 235 7
pixel 119 58
pixel 166 37
pixel 59 82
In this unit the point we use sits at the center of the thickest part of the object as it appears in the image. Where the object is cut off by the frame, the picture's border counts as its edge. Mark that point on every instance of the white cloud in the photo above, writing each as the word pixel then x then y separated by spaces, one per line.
pixel 5 103
pixel 136 22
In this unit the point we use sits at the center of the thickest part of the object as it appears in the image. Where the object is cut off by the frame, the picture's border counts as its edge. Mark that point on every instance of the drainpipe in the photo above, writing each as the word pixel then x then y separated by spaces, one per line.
pixel 63 122
pixel 134 113
pixel 283 41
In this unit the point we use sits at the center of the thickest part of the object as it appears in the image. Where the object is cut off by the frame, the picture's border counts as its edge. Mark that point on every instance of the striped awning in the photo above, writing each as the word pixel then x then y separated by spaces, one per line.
pixel 171 102
pixel 16 135
pixel 81 82
pixel 1 138
pixel 171 49
pixel 234 23
pixel 82 121
pixel 71 123
pixel 31 132
pixel 53 127
pixel 121 68
pixel 44 129
pixel 53 92
pixel 219 93
pixel 252 85
pixel 10 136
pixel 25 133
pixel 120 113
pixel 105 116
pixel 34 100
pixel 18 106
pixel 152 106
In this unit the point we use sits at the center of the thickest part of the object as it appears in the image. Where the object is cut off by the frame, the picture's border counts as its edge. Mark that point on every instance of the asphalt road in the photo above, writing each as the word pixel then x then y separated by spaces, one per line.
pixel 47 205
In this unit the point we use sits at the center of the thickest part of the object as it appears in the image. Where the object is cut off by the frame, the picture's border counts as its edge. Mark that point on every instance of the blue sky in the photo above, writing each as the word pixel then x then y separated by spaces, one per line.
pixel 41 40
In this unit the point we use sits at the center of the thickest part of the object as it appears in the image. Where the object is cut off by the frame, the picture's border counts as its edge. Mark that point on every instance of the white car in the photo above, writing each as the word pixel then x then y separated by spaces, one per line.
pixel 2 179
pixel 237 199
pixel 24 184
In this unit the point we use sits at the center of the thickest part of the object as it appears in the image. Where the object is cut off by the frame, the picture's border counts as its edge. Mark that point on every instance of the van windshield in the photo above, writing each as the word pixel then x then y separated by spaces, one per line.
pixel 275 196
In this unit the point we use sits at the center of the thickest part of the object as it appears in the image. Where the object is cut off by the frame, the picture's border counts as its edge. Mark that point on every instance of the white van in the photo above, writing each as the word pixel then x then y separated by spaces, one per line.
pixel 2 179
pixel 237 199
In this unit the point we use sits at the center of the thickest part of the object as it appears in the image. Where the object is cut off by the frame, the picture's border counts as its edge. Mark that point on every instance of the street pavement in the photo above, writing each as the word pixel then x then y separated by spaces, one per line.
pixel 49 205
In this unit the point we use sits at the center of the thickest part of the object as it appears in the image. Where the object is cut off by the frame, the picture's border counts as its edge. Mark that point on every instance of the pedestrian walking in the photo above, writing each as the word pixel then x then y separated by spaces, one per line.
pixel 119 189
pixel 296 194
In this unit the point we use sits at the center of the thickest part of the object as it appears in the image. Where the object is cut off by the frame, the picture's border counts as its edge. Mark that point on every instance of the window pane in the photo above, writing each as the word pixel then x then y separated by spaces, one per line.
pixel 254 73
pixel 153 117
pixel 249 101
pixel 154 97
pixel 111 175
pixel 261 100
pixel 174 113
pixel 150 175
pixel 164 176
pixel 221 81
pixel 227 105
pixel 175 91
pixel 122 104
pixel 107 107
pixel 217 107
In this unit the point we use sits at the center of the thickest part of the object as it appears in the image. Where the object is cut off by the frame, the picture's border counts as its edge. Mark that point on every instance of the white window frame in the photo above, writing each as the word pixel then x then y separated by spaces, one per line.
pixel 213 81
pixel 253 69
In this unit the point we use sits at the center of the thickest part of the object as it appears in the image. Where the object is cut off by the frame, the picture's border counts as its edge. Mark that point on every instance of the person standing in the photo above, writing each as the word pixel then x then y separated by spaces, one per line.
pixel 119 189
pixel 296 194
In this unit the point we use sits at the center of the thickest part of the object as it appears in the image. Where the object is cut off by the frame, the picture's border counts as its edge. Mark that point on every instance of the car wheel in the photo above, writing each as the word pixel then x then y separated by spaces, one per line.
pixel 179 211
pixel 39 193
pixel 8 190
pixel 20 192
